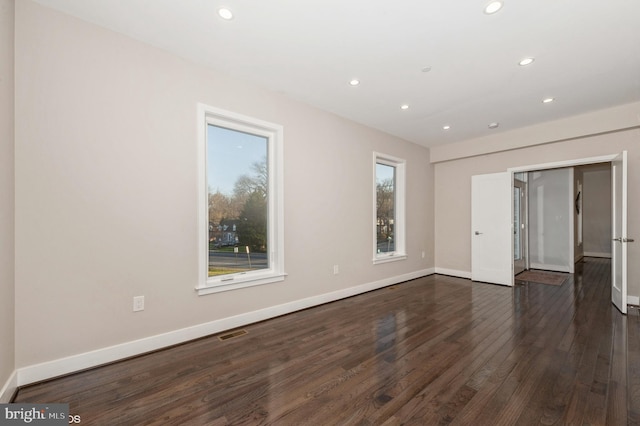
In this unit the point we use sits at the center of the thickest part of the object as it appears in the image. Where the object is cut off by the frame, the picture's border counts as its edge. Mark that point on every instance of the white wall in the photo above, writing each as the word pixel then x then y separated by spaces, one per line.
pixel 7 343
pixel 597 210
pixel 550 219
pixel 106 192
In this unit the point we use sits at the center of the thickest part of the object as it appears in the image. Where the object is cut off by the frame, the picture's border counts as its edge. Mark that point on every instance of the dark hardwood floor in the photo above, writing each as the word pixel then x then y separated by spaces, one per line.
pixel 436 350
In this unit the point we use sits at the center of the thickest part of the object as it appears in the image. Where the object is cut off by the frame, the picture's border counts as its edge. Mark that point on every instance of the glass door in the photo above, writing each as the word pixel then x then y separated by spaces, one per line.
pixel 520 248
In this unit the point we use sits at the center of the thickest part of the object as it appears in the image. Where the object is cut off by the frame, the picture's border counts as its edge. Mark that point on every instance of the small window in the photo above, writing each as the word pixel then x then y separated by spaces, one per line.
pixel 240 201
pixel 389 209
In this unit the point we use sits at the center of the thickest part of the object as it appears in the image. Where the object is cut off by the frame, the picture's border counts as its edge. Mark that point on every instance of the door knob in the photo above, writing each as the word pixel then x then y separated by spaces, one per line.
pixel 617 239
pixel 628 240
pixel 478 233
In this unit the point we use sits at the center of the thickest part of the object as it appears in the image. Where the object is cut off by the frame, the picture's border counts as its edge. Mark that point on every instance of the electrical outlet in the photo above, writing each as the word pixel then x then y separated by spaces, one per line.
pixel 423 255
pixel 138 303
pixel 336 269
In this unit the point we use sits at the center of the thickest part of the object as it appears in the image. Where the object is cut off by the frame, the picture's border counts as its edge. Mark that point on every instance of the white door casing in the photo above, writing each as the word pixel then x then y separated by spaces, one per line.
pixel 491 233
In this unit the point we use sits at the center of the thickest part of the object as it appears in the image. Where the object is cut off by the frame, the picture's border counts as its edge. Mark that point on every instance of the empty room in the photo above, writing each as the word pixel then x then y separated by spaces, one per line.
pixel 319 212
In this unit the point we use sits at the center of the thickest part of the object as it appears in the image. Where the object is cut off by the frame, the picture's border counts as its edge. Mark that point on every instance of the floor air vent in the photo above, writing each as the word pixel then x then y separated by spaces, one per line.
pixel 232 334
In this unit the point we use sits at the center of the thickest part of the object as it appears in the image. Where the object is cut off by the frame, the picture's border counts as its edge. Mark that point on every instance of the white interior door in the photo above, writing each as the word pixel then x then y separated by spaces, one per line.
pixel 619 230
pixel 491 228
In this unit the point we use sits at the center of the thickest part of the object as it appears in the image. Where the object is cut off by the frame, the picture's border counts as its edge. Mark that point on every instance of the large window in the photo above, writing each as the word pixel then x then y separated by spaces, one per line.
pixel 388 214
pixel 241 235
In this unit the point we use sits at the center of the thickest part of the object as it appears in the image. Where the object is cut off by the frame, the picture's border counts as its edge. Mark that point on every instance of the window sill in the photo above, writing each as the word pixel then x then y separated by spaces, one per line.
pixel 238 283
pixel 389 258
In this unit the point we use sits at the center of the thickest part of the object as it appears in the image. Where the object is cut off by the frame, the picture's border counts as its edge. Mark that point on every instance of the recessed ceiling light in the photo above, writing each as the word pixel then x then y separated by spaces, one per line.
pixel 354 82
pixel 548 100
pixel 405 106
pixel 225 13
pixel 494 125
pixel 426 69
pixel 447 127
pixel 492 7
pixel 526 61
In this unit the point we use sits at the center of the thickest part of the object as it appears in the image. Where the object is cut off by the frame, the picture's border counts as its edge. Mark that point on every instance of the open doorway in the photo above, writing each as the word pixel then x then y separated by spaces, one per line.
pixel 618 203
pixel 492 213
pixel 593 211
pixel 570 217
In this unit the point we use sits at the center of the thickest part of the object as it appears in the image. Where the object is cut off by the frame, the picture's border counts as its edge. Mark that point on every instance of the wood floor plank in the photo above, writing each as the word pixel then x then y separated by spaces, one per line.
pixel 435 350
pixel 446 390
pixel 509 371
pixel 617 384
pixel 553 395
pixel 633 366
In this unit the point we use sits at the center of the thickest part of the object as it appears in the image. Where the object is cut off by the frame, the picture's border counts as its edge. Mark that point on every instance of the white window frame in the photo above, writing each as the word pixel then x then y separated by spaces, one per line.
pixel 275 223
pixel 399 208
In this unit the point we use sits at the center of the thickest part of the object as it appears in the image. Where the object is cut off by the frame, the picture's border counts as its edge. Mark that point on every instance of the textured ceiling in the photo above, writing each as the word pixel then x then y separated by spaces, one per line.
pixel 587 55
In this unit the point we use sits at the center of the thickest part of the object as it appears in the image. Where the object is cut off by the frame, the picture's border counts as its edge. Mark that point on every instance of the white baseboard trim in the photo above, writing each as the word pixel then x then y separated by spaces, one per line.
pixel 544 266
pixel 453 273
pixel 597 254
pixel 62 366
pixel 633 300
pixel 9 388
pixel 429 271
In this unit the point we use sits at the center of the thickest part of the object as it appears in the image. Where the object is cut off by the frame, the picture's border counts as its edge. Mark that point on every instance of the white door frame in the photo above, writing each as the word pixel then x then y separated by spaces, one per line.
pixel 556 165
